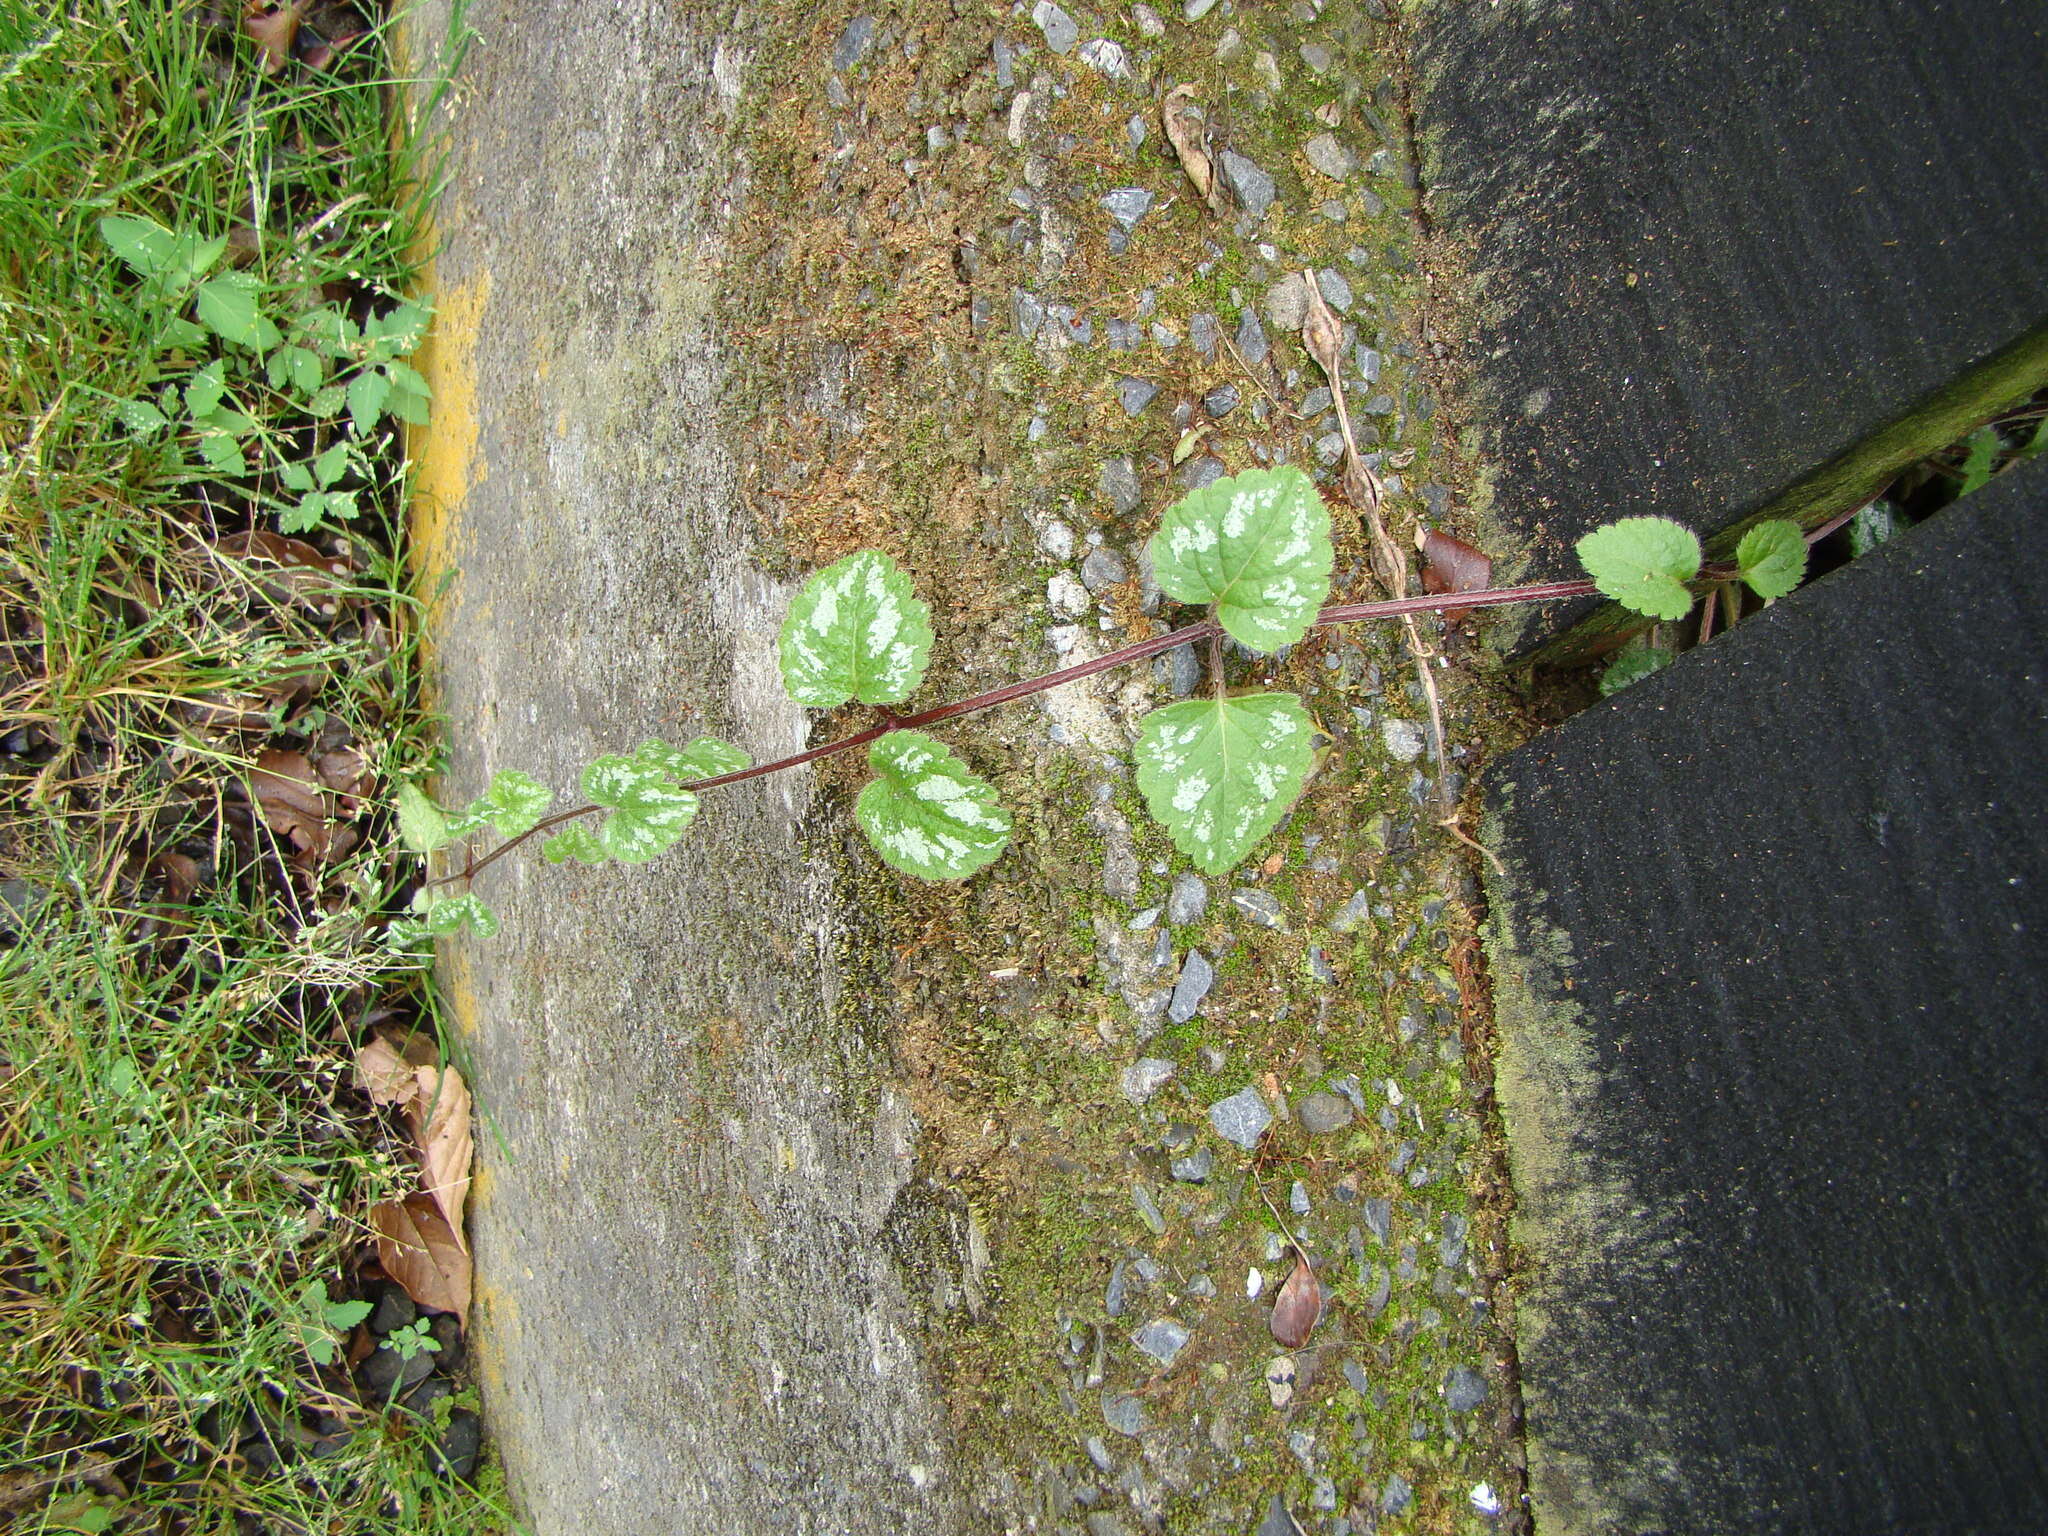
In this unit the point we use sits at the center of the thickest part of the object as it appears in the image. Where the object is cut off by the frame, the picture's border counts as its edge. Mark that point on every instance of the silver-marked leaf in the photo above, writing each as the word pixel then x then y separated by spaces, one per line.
pixel 1632 665
pixel 455 913
pixel 1219 774
pixel 1643 563
pixel 856 631
pixel 422 825
pixel 513 802
pixel 926 813
pixel 704 758
pixel 1257 545
pixel 648 813
pixel 577 841
pixel 1772 558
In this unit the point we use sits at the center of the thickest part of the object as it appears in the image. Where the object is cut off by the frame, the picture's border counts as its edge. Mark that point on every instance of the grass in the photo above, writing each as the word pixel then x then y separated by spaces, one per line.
pixel 186 966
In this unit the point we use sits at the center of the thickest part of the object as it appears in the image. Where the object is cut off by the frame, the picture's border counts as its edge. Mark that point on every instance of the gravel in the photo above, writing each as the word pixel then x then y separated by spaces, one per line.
pixel 1259 906
pixel 1135 394
pixel 1145 1077
pixel 1404 739
pixel 1118 479
pixel 1027 312
pixel 1197 976
pixel 1106 58
pixel 853 42
pixel 1242 1118
pixel 1336 292
pixel 1127 205
pixel 1181 671
pixel 1189 898
pixel 1464 1389
pixel 1118 1292
pixel 1353 912
pixel 1162 1339
pixel 1251 339
pixel 1287 303
pixel 1254 188
pixel 1330 157
pixel 1196 1167
pixel 1378 1212
pixel 1148 1210
pixel 1103 568
pixel 1222 400
pixel 1060 32
pixel 1321 1113
pixel 1123 1413
pixel 1204 333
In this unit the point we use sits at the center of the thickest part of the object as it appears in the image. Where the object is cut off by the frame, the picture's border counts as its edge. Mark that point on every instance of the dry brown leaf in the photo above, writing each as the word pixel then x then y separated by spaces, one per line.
pixel 304 575
pixel 1322 333
pixel 345 770
pixel 418 1250
pixel 288 792
pixel 385 1075
pixel 1451 565
pixel 1298 1307
pixel 1187 131
pixel 271 25
pixel 439 1113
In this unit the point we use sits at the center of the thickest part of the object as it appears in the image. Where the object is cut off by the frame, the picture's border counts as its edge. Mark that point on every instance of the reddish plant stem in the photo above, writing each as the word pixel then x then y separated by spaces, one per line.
pixel 1340 613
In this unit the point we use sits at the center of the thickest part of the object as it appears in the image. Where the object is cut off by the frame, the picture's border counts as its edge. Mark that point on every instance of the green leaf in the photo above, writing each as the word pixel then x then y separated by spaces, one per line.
pixel 452 914
pixel 222 453
pixel 576 841
pixel 648 813
pixel 855 631
pixel 704 758
pixel 305 367
pixel 295 476
pixel 1632 665
pixel 187 335
pixel 147 247
pixel 1772 558
pixel 331 465
pixel 341 505
pixel 304 514
pixel 422 825
pixel 204 390
pixel 926 813
pixel 367 392
pixel 1219 774
pixel 513 802
pixel 1643 563
pixel 327 401
pixel 227 307
pixel 2035 445
pixel 140 416
pixel 1257 545
pixel 1983 444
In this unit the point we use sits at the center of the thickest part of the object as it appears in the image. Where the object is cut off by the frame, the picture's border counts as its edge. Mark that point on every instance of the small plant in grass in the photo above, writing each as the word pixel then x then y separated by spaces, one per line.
pixel 414 1338
pixel 319 1318
pixel 1217 772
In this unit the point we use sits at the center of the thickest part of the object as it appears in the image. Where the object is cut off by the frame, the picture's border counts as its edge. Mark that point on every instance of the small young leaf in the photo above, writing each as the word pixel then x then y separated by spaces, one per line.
pixel 855 631
pixel 1983 444
pixel 303 515
pixel 1632 665
pixel 513 803
pixel 326 402
pixel 1643 563
pixel 454 913
pixel 1772 558
pixel 140 416
pixel 367 392
pixel 1874 525
pixel 203 391
pixel 926 813
pixel 331 465
pixel 422 826
pixel 147 247
pixel 1257 545
pixel 577 841
pixel 223 454
pixel 704 758
pixel 1219 774
pixel 648 813
pixel 227 307
pixel 295 476
pixel 305 368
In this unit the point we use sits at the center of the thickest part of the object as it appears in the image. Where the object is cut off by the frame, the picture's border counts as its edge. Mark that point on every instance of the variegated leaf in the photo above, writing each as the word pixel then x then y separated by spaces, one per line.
pixel 1257 545
pixel 1219 774
pixel 856 631
pixel 926 813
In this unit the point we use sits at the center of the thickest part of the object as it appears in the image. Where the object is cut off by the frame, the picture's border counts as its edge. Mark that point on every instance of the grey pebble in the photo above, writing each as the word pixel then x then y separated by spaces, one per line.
pixel 1060 32
pixel 1149 23
pixel 1135 129
pixel 1121 334
pixel 1028 313
pixel 1368 363
pixel 1165 335
pixel 1123 1413
pixel 1135 394
pixel 1204 333
pixel 1127 205
pixel 1197 976
pixel 1251 340
pixel 1119 481
pixel 1099 1454
pixel 1287 303
pixel 1403 1156
pixel 1451 1246
pixel 1195 10
pixel 1464 1389
pixel 1378 1212
pixel 1202 1286
pixel 1182 671
pixel 1145 1077
pixel 1354 1374
pixel 1316 401
pixel 1319 965
pixel 1277 1522
pixel 1316 57
pixel 1103 568
pixel 1254 188
pixel 1242 1118
pixel 1330 447
pixel 1222 400
pixel 1297 1198
pixel 1118 1291
pixel 1380 405
pixel 1106 58
pixel 1327 155
pixel 853 42
pixel 1189 898
pixel 1080 331
pixel 1196 1167
pixel 1335 291
pixel 1380 1291
pixel 1006 75
pixel 1205 469
pixel 1148 1209
pixel 1162 1339
pixel 1320 1113
pixel 1398 1495
pixel 1404 739
pixel 1353 912
pixel 1259 906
